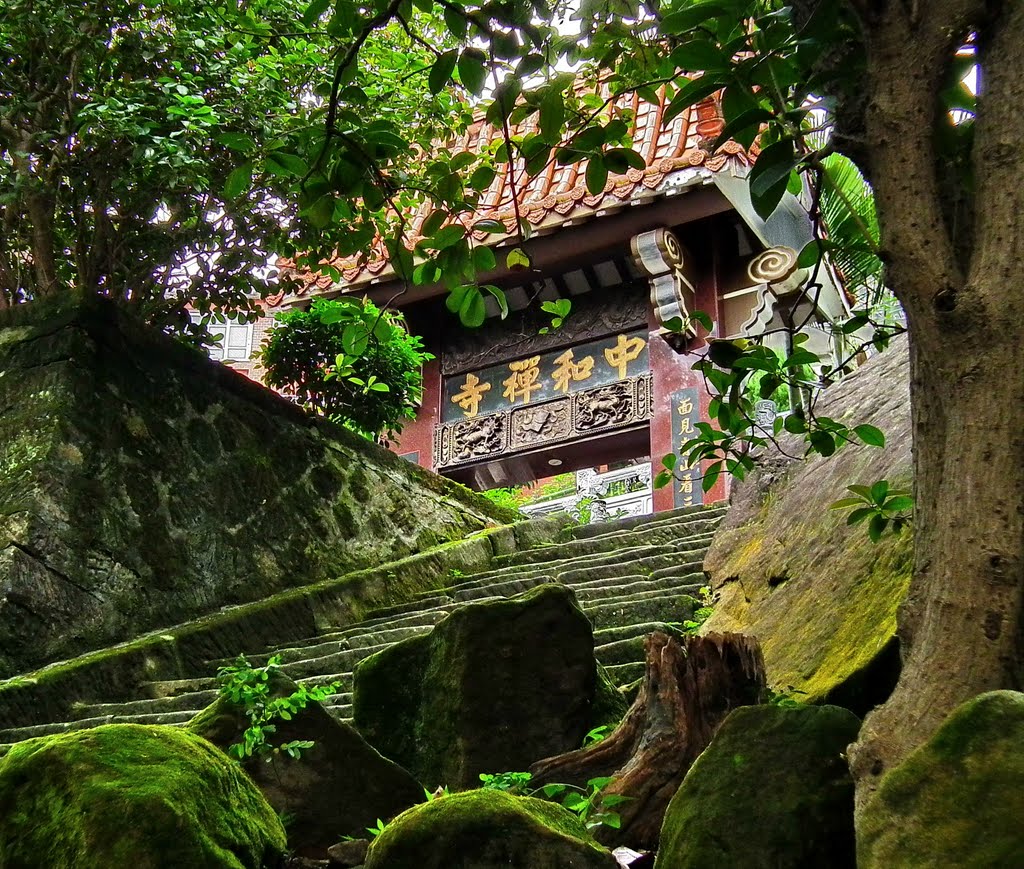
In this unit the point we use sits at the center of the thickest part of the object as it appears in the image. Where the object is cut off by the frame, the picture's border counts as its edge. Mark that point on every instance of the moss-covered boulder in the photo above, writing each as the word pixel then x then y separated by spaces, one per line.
pixel 771 790
pixel 127 795
pixel 339 787
pixel 487 829
pixel 494 687
pixel 818 594
pixel 956 801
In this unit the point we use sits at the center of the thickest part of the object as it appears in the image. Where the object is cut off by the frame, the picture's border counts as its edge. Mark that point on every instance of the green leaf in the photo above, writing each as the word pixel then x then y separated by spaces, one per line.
pixel 876 527
pixel 472 71
pixel 489 226
pixel 238 142
pixel 314 10
pixel 879 491
pixel 483 259
pixel 433 222
pixel 843 503
pixel 441 71
pixel 770 175
pixel 822 443
pixel 870 435
pixel 283 163
pixel 499 296
pixel 597 175
pixel 900 503
pixel 456 23
pixel 699 55
pixel 517 260
pixel 552 114
pixel 322 211
pixel 472 311
pixel 238 182
pixel 693 92
pixel 860 515
pixel 355 339
pixel 446 237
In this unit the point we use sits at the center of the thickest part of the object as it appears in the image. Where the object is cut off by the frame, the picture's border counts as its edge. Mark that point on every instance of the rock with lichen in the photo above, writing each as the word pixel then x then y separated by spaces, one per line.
pixel 772 789
pixel 128 795
pixel 495 686
pixel 958 800
pixel 487 829
pixel 818 594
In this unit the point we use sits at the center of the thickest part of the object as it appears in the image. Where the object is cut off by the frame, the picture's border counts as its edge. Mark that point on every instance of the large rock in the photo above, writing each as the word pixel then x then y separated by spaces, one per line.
pixel 772 789
pixel 818 594
pixel 959 799
pixel 487 829
pixel 142 484
pixel 339 787
pixel 126 795
pixel 494 687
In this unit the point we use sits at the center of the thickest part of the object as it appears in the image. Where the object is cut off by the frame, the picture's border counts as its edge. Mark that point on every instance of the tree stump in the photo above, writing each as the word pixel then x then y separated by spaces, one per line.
pixel 690 685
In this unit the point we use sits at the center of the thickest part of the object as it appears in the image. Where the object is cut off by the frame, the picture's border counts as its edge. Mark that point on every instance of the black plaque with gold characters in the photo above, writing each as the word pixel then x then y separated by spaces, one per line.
pixel 545 376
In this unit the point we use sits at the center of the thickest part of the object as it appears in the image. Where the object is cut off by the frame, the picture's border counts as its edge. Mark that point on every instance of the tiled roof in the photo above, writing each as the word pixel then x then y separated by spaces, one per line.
pixel 559 195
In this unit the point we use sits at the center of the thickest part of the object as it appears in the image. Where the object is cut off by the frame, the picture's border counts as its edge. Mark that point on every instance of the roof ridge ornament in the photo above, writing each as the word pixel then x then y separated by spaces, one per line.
pixel 660 255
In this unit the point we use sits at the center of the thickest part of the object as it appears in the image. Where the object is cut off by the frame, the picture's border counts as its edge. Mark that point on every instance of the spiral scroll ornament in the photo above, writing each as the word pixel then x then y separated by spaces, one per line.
pixel 778 267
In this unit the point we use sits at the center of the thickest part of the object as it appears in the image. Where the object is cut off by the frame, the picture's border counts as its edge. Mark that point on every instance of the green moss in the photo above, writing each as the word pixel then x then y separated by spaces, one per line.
pixel 129 795
pixel 772 789
pixel 956 801
pixel 609 703
pixel 484 828
pixel 392 680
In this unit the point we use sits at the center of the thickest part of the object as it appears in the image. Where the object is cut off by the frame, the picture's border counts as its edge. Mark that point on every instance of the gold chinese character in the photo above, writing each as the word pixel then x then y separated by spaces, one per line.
pixel 624 352
pixel 522 383
pixel 471 396
pixel 688 501
pixel 686 485
pixel 686 425
pixel 685 407
pixel 567 369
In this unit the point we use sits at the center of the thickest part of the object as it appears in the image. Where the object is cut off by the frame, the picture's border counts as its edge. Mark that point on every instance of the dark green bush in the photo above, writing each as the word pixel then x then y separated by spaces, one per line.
pixel 350 361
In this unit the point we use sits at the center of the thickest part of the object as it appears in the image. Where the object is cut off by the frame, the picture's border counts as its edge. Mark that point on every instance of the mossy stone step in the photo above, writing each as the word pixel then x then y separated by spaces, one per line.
pixel 17 734
pixel 602 590
pixel 625 674
pixel 556 567
pixel 715 511
pixel 194 700
pixel 669 608
pixel 592 546
pixel 628 649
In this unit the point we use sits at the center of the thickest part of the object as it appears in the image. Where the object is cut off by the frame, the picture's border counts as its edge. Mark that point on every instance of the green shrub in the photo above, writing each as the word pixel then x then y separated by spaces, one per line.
pixel 350 361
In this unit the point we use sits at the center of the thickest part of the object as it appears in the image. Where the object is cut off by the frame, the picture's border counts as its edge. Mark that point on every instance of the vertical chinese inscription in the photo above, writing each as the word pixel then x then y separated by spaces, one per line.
pixel 685 416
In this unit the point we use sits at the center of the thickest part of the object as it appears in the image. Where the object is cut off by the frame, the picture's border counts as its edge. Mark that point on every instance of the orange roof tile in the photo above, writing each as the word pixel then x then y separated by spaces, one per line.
pixel 558 195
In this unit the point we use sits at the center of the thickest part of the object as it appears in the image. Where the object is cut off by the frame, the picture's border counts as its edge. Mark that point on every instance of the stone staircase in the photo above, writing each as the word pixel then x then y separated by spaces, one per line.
pixel 631 576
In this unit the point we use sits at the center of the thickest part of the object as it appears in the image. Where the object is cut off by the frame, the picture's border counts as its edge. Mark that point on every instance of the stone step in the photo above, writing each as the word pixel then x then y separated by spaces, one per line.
pixel 620 542
pixel 322 646
pixel 629 523
pixel 17 734
pixel 624 674
pixel 194 701
pixel 635 609
pixel 629 647
pixel 601 591
pixel 626 590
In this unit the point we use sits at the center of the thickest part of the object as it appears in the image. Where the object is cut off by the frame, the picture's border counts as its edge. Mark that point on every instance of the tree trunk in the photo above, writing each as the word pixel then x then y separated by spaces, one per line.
pixel 960 627
pixel 689 687
pixel 958 274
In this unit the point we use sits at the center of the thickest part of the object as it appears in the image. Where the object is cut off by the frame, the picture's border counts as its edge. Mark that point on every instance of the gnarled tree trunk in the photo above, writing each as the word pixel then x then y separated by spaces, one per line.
pixel 959 272
pixel 689 687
